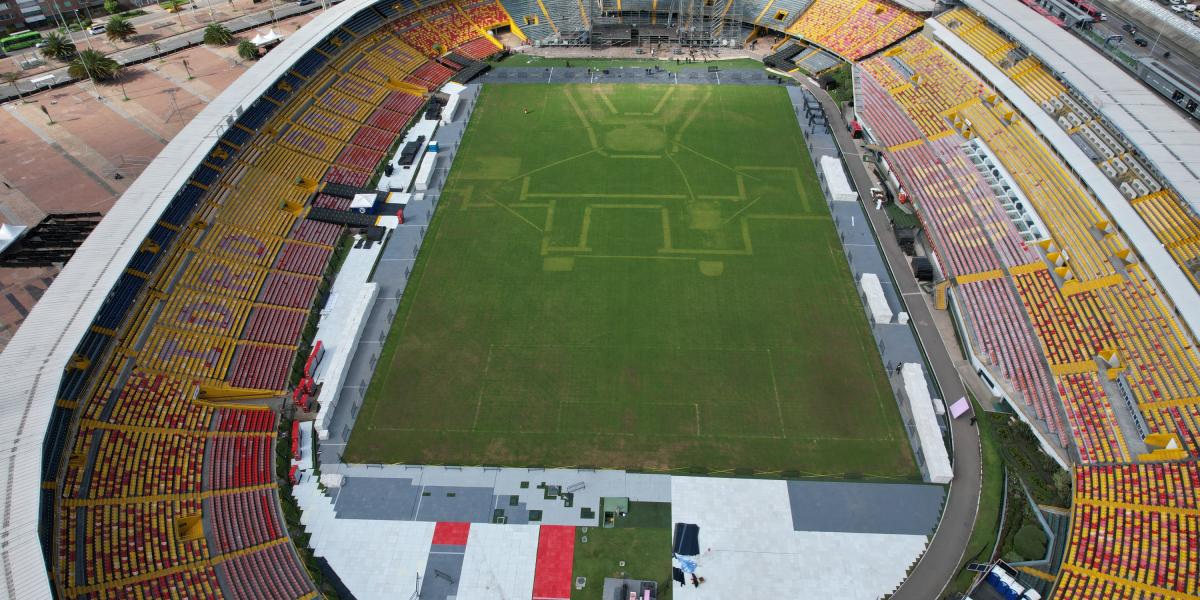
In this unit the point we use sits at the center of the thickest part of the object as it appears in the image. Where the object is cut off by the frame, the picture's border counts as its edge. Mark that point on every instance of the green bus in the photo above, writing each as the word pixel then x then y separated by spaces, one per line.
pixel 20 41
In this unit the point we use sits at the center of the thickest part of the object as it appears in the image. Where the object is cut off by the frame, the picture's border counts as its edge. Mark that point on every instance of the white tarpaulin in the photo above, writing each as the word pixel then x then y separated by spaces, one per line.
pixel 876 302
pixel 835 180
pixel 929 434
pixel 362 202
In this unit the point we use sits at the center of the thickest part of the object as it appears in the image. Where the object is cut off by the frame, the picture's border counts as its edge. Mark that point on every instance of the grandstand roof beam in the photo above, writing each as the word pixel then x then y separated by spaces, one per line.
pixel 1165 137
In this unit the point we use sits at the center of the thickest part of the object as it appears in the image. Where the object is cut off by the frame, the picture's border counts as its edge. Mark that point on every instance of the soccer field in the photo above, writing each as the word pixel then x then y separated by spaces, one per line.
pixel 633 276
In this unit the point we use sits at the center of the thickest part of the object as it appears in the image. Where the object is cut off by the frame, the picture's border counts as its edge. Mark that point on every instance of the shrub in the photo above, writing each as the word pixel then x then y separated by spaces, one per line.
pixel 1030 542
pixel 217 34
pixel 94 64
pixel 247 50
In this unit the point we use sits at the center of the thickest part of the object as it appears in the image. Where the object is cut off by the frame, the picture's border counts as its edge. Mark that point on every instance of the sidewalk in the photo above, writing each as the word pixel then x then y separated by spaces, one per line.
pixel 155 47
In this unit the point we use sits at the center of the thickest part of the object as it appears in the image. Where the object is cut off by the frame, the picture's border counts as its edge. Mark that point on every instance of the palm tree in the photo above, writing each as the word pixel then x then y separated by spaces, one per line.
pixel 90 63
pixel 58 46
pixel 12 77
pixel 217 35
pixel 119 28
pixel 247 50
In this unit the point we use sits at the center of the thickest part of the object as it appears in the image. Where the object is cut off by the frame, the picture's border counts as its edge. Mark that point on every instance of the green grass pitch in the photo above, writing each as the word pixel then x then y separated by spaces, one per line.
pixel 633 276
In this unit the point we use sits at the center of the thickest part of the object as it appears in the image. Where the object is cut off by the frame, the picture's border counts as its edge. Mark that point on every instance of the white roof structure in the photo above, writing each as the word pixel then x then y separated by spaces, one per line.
pixel 34 360
pixel 921 6
pixel 1166 138
pixel 1168 272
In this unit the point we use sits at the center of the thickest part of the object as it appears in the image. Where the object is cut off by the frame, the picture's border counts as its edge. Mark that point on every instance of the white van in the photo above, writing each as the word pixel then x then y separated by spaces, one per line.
pixel 96 29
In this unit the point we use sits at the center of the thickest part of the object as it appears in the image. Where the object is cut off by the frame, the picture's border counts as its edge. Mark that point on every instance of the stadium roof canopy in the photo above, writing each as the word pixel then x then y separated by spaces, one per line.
pixel 921 6
pixel 1169 140
pixel 35 358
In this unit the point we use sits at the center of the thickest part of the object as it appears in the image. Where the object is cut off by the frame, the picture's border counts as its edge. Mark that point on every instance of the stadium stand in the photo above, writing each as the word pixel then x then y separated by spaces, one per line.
pixel 1135 532
pixel 776 14
pixel 168 493
pixel 529 19
pixel 1104 332
pixel 855 29
pixel 1175 224
pixel 478 49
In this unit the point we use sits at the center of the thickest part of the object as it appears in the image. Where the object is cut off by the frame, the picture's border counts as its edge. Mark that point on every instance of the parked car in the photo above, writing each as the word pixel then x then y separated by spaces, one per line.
pixel 1141 42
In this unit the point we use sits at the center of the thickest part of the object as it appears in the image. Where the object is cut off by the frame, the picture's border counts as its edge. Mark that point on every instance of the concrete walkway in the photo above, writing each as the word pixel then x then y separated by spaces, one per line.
pixel 941 560
pixel 145 52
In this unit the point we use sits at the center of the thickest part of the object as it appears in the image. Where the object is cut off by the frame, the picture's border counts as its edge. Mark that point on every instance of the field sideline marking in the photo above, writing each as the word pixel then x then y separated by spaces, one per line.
pixel 641 196
pixel 553 164
pixel 695 113
pixel 612 108
pixel 683 175
pixel 713 436
pixel 666 224
pixel 775 387
pixel 587 125
pixel 740 211
pixel 482 386
pixel 632 257
pixel 736 170
pixel 514 213
pixel 663 101
pixel 403 325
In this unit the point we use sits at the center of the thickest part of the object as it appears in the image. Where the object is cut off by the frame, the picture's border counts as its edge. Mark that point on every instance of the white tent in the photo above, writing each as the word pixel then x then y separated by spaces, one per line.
pixel 270 37
pixel 10 234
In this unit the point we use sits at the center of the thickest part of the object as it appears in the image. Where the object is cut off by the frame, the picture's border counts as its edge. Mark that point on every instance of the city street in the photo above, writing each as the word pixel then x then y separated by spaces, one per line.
pixel 158 33
pixel 1181 61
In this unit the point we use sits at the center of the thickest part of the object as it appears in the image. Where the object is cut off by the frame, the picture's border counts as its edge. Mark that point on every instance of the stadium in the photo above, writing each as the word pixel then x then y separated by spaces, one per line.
pixel 549 299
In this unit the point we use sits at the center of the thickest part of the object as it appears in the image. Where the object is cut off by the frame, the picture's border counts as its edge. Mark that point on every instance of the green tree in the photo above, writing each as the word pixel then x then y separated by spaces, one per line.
pixel 58 46
pixel 90 63
pixel 247 50
pixel 112 7
pixel 217 34
pixel 120 28
pixel 12 77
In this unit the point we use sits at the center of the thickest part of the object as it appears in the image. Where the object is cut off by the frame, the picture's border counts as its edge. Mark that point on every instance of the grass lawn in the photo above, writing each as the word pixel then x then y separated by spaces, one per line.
pixel 646 552
pixel 525 60
pixel 633 276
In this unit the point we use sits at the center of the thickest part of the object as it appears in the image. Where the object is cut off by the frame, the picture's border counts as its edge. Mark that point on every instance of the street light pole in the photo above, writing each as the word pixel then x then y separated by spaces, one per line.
pixel 86 34
pixel 84 62
pixel 61 21
pixel 1155 44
